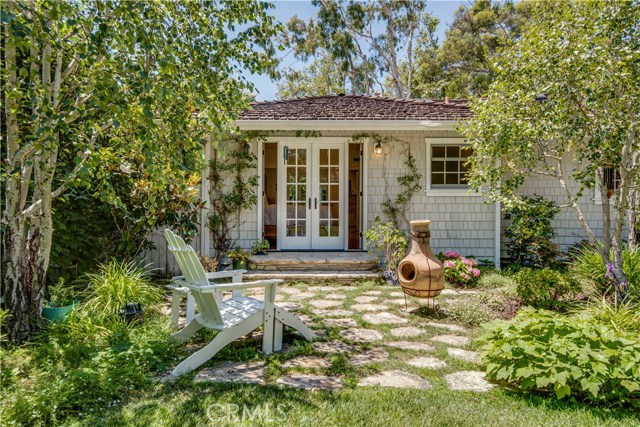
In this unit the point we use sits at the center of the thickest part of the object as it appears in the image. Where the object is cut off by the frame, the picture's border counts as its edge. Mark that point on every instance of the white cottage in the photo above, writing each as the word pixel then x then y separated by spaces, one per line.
pixel 329 162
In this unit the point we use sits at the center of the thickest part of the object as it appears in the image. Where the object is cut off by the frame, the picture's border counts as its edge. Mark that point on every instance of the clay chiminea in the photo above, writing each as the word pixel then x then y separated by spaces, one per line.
pixel 420 273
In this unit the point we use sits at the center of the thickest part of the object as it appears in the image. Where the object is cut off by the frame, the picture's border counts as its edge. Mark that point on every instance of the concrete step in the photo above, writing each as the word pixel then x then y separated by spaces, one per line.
pixel 314 261
pixel 343 276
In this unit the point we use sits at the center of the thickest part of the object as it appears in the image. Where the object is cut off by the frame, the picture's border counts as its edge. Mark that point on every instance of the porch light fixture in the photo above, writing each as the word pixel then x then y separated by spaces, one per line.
pixel 285 153
pixel 377 149
pixel 246 147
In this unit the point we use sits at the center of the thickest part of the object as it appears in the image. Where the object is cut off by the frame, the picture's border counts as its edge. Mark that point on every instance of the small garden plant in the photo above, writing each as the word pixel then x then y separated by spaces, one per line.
pixel 60 295
pixel 389 241
pixel 239 254
pixel 260 246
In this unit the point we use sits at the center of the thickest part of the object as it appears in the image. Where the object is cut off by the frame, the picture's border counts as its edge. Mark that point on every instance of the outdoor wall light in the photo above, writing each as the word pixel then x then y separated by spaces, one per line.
pixel 285 153
pixel 377 149
pixel 246 148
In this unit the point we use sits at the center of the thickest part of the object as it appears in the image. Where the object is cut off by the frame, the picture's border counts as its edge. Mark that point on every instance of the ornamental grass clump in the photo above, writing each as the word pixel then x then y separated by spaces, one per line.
pixel 567 356
pixel 114 285
pixel 458 270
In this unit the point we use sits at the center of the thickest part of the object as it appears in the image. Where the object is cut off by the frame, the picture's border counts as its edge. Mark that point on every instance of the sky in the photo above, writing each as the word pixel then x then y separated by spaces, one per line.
pixel 285 9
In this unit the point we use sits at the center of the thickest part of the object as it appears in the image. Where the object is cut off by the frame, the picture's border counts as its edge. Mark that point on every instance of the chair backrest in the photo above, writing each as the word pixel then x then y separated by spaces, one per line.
pixel 194 275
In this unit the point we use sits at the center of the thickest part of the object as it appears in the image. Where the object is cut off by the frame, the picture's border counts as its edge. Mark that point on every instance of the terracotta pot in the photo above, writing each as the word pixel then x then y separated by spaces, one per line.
pixel 420 273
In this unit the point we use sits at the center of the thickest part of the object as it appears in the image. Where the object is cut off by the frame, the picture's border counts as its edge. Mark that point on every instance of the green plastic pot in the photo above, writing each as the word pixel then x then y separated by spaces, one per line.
pixel 240 265
pixel 58 314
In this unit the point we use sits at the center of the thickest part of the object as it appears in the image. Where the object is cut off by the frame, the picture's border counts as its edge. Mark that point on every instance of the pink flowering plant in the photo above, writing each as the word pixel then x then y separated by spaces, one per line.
pixel 458 270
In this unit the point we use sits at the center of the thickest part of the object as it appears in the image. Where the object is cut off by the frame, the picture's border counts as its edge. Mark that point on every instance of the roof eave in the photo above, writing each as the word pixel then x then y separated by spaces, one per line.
pixel 355 125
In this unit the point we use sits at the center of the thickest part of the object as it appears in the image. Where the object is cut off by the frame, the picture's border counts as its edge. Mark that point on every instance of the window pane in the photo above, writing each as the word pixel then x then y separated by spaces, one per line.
pixel 452 178
pixel 437 178
pixel 463 178
pixel 452 166
pixel 335 229
pixel 335 174
pixel 302 174
pixel 324 174
pixel 291 228
pixel 291 192
pixel 453 151
pixel 323 228
pixel 291 174
pixel 437 166
pixel 334 191
pixel 437 151
pixel 302 229
pixel 323 193
pixel 465 166
pixel 466 151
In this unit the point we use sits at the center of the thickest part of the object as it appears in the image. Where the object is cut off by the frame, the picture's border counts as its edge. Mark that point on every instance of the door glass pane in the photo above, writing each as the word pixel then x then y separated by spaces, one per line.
pixel 335 174
pixel 324 174
pixel 324 157
pixel 323 193
pixel 296 193
pixel 335 156
pixel 323 228
pixel 334 230
pixel 334 193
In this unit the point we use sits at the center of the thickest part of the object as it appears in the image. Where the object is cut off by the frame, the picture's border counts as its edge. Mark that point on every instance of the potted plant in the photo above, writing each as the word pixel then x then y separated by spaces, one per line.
pixel 260 247
pixel 390 243
pixel 240 258
pixel 60 303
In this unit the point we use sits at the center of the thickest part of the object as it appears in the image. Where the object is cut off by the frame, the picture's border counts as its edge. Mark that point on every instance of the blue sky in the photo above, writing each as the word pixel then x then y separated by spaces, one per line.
pixel 285 9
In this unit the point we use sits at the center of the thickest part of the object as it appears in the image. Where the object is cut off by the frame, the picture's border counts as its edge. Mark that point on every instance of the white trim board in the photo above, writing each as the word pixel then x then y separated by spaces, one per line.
pixel 353 125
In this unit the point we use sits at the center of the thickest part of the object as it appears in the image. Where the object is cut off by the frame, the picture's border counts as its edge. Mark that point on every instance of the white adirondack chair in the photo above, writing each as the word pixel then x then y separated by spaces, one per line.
pixel 234 317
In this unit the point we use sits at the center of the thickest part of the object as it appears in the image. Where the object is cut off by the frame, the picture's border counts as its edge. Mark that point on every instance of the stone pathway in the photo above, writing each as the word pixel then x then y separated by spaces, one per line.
pixel 396 379
pixel 310 382
pixel 456 340
pixel 361 335
pixel 372 356
pixel 468 381
pixel 405 332
pixel 427 362
pixel 233 372
pixel 309 362
pixel 466 355
pixel 380 310
pixel 383 318
pixel 333 347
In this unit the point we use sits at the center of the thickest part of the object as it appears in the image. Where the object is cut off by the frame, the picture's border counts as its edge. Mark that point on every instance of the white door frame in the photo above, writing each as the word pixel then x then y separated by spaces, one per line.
pixel 308 143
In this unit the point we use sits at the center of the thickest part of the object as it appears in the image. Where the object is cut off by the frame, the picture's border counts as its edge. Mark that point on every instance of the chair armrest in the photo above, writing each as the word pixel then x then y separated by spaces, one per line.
pixel 223 274
pixel 227 286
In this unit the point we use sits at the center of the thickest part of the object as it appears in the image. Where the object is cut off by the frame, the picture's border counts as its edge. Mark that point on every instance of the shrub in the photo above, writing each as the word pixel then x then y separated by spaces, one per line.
pixel 587 265
pixel 568 356
pixel 387 239
pixel 530 232
pixel 495 279
pixel 458 270
pixel 60 294
pixel 114 285
pixel 469 312
pixel 544 288
pixel 621 317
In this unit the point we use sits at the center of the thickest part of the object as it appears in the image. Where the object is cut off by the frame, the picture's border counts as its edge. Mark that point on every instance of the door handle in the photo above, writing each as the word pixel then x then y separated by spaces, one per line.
pixel 316 202
pixel 309 202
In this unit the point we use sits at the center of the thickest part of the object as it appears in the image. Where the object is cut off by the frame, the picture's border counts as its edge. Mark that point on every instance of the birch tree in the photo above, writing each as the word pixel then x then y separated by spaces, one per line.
pixel 107 78
pixel 566 105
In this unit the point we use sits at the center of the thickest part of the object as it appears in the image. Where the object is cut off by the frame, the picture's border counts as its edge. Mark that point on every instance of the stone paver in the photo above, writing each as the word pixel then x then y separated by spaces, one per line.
pixel 466 355
pixel 333 313
pixel 361 335
pixel 455 340
pixel 307 362
pixel 289 290
pixel 405 332
pixel 371 356
pixel 340 323
pixel 383 318
pixel 399 301
pixel 449 292
pixel 396 294
pixel 346 288
pixel 290 306
pixel 333 347
pixel 368 307
pixel 302 296
pixel 427 362
pixel 364 299
pixel 396 379
pixel 448 326
pixel 372 293
pixel 310 382
pixel 335 296
pixel 410 345
pixel 321 288
pixel 468 381
pixel 240 372
pixel 325 303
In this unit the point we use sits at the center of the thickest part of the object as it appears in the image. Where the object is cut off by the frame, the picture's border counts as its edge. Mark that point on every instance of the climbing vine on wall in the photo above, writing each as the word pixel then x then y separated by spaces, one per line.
pixel 395 207
pixel 232 188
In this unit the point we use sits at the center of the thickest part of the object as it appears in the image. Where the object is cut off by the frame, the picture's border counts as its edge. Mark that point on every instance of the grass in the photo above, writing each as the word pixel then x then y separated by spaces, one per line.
pixel 189 403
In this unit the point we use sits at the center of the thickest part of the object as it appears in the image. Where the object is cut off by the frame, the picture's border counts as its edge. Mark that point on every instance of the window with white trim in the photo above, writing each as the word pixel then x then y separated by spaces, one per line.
pixel 447 164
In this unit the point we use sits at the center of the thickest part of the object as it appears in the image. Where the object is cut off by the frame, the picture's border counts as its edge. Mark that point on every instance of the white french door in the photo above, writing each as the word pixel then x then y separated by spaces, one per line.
pixel 311 196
